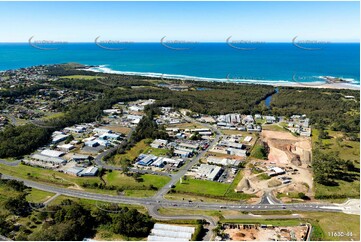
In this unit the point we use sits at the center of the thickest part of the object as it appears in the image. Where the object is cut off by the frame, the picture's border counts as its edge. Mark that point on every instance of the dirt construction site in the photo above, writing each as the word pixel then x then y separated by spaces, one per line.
pixel 256 232
pixel 289 157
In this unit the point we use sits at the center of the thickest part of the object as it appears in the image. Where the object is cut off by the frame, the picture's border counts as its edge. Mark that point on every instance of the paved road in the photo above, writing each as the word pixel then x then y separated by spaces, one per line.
pixel 268 198
pixel 10 163
pixel 153 211
pixel 99 161
pixel 194 160
pixel 182 204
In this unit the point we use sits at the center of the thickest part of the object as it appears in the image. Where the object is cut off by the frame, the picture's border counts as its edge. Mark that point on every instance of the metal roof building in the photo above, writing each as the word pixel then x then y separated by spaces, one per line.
pixel 44 158
pixel 73 171
pixel 166 232
pixel 52 153
pixel 209 172
pixel 89 171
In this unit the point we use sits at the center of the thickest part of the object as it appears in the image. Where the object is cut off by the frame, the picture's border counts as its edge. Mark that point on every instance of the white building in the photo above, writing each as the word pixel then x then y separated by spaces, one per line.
pixel 66 147
pixel 159 143
pixel 166 232
pixel 52 153
pixel 209 172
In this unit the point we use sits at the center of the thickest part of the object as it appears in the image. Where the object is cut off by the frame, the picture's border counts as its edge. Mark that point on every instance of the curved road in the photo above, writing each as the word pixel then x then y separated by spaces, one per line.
pixel 153 211
pixel 10 163
pixel 183 204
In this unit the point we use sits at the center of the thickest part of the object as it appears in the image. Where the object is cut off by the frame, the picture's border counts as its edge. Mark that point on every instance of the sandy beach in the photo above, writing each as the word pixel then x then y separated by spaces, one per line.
pixel 327 85
pixel 103 69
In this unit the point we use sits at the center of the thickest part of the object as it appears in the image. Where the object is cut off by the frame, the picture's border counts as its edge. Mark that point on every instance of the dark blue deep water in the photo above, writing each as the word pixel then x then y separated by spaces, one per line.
pixel 268 62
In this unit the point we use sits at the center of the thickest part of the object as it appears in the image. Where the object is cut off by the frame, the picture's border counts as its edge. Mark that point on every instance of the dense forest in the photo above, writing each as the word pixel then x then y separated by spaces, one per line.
pixel 326 107
pixel 67 221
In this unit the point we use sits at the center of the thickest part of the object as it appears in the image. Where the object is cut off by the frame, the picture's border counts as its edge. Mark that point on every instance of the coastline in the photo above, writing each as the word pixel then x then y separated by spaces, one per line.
pixel 281 83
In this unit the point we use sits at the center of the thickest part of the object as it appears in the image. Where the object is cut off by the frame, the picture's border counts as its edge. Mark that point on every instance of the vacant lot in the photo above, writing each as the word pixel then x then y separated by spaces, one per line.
pixel 81 77
pixel 323 224
pixel 142 146
pixel 343 190
pixel 348 150
pixel 46 176
pixel 187 125
pixel 118 129
pixel 211 189
pixel 38 196
pixel 336 222
pixel 147 186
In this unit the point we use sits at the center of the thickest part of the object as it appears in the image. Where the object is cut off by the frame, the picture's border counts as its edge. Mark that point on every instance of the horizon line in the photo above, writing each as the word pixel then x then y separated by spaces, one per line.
pixel 189 42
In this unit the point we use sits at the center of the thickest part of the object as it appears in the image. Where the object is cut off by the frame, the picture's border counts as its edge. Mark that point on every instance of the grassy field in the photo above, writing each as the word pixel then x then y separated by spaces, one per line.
pixel 202 187
pixel 186 126
pixel 134 188
pixel 336 222
pixel 46 176
pixel 54 116
pixel 5 193
pixel 348 150
pixel 273 127
pixel 55 178
pixel 211 189
pixel 231 132
pixel 93 204
pixel 258 152
pixel 344 189
pixel 141 147
pixel 157 151
pixel 177 211
pixel 119 129
pixel 38 196
pixel 81 77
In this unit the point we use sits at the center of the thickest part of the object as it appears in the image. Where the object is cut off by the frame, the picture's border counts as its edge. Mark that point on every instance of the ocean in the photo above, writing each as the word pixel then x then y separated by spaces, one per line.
pixel 274 63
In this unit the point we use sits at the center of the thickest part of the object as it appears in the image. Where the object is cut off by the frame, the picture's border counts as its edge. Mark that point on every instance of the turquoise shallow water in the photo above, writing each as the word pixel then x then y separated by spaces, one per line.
pixel 260 62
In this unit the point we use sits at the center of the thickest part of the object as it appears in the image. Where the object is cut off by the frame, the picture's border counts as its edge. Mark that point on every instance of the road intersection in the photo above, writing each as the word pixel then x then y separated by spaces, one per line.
pixel 267 202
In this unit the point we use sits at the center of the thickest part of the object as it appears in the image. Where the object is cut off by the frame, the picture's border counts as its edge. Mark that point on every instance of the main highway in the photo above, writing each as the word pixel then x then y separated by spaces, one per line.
pixel 155 201
pixel 267 202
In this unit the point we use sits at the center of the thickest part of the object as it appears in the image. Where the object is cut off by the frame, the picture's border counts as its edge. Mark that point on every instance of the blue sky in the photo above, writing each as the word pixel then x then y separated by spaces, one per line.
pixel 188 21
